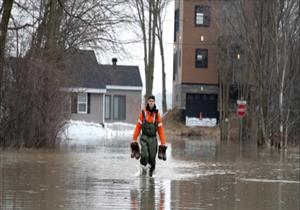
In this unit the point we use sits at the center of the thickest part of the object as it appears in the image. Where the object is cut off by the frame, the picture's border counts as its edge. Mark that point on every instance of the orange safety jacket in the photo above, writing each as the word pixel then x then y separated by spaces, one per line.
pixel 150 118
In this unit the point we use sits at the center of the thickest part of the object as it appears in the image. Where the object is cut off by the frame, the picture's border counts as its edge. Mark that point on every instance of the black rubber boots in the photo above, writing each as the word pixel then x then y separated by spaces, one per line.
pixel 162 152
pixel 135 150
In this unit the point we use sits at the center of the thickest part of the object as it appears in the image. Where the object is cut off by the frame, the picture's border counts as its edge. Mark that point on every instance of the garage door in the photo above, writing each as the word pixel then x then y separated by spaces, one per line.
pixel 202 103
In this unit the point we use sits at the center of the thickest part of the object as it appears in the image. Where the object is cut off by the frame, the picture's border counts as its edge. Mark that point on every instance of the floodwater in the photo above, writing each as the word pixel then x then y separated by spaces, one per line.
pixel 198 174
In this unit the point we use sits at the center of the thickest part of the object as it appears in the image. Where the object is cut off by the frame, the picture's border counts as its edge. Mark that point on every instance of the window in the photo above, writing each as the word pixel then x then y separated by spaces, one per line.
pixel 175 64
pixel 107 107
pixel 201 58
pixel 179 59
pixel 82 103
pixel 199 18
pixel 202 15
pixel 176 23
pixel 119 108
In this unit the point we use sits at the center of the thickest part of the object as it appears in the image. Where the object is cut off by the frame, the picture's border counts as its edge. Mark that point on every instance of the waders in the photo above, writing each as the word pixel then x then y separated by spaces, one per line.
pixel 149 144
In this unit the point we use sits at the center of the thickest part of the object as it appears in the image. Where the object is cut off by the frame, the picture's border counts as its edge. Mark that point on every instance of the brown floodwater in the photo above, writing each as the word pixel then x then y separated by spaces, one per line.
pixel 198 174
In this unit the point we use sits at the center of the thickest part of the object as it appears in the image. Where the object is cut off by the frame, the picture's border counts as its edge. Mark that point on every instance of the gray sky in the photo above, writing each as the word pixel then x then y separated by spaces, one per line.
pixel 134 52
pixel 136 57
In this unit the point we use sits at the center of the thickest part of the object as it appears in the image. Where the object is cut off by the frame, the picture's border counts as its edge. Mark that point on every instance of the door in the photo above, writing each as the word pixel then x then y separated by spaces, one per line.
pixel 206 104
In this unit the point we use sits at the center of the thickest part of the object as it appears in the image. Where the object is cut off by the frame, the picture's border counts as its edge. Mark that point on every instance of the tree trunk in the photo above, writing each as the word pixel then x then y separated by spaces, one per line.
pixel 148 28
pixel 7 6
pixel 53 26
pixel 162 56
pixel 164 97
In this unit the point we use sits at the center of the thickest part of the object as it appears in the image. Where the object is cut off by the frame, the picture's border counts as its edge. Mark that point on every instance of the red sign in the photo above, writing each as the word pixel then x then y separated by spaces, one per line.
pixel 241 108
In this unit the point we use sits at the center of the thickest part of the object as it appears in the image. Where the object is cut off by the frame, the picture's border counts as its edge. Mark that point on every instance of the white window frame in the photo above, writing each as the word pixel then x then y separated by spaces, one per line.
pixel 202 16
pixel 199 18
pixel 201 58
pixel 80 102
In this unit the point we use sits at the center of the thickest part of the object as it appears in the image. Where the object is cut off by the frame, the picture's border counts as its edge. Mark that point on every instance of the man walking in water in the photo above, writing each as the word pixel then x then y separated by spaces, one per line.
pixel 149 122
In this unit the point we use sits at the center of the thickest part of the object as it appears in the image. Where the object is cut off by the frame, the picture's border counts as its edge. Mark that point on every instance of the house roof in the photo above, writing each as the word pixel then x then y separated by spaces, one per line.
pixel 87 73
pixel 84 71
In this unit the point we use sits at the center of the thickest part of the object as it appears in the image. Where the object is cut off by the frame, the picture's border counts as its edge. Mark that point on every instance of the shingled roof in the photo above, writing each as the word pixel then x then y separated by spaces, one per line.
pixel 87 73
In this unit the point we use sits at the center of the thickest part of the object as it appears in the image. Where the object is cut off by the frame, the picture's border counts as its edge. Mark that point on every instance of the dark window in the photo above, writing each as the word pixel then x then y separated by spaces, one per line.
pixel 233 93
pixel 176 23
pixel 107 107
pixel 201 58
pixel 175 64
pixel 179 59
pixel 89 103
pixel 202 15
pixel 119 108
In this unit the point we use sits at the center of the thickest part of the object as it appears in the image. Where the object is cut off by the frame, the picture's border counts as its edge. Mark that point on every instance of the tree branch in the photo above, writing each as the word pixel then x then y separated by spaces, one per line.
pixel 71 15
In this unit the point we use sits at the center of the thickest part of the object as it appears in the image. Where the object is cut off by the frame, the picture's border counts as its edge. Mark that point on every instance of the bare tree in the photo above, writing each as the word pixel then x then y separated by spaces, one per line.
pixel 33 102
pixel 161 15
pixel 79 23
pixel 147 14
pixel 269 34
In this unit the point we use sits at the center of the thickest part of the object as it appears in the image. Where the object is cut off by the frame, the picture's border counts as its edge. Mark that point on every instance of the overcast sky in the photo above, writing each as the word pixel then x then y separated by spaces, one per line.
pixel 136 57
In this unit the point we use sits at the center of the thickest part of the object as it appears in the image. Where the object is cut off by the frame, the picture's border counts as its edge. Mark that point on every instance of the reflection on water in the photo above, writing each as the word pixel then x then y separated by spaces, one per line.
pixel 199 174
pixel 151 194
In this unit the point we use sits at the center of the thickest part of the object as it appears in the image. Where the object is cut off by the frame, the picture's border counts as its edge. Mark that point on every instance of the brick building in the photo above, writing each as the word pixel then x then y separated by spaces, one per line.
pixel 195 69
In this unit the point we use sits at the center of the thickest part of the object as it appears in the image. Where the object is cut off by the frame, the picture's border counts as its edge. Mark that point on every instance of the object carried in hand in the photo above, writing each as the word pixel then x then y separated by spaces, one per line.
pixel 135 150
pixel 162 152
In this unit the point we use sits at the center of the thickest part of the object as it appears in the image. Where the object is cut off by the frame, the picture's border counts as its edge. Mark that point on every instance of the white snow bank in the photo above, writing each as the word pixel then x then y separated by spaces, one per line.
pixel 82 130
pixel 87 131
pixel 205 122
pixel 119 129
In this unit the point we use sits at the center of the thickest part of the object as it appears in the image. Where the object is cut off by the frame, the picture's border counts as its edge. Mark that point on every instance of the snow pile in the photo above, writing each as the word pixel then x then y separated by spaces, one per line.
pixel 119 129
pixel 89 131
pixel 83 130
pixel 204 122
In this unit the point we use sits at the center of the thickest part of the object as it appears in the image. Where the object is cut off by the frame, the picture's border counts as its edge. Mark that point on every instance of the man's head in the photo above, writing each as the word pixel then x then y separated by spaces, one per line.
pixel 151 101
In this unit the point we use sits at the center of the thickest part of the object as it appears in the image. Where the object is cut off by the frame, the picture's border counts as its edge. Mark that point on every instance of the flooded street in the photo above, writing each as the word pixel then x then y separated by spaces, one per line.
pixel 198 174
